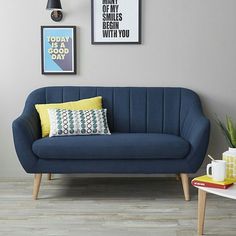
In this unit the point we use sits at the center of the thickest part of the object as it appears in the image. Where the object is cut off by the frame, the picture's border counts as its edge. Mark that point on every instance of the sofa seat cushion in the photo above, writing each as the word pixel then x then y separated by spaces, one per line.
pixel 115 146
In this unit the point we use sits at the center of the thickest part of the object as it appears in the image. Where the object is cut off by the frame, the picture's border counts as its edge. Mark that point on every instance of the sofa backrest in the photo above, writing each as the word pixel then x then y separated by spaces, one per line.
pixel 130 109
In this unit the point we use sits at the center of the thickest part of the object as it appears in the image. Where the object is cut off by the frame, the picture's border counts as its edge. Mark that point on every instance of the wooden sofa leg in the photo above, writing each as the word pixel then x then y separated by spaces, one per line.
pixel 49 176
pixel 37 181
pixel 185 184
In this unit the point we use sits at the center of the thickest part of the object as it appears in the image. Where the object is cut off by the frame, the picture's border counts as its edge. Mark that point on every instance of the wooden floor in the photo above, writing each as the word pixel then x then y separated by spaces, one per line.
pixel 108 207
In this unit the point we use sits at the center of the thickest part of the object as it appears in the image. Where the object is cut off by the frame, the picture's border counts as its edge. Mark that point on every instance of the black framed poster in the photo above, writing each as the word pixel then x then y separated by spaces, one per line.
pixel 116 21
pixel 58 47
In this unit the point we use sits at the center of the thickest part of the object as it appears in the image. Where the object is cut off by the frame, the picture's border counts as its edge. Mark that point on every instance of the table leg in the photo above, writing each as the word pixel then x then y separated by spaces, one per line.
pixel 201 210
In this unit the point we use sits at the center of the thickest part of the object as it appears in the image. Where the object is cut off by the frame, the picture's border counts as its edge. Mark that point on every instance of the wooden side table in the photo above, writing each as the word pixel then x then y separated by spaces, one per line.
pixel 202 192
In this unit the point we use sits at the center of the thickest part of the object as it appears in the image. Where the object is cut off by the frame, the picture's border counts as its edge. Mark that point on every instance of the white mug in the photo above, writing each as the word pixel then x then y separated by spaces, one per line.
pixel 218 169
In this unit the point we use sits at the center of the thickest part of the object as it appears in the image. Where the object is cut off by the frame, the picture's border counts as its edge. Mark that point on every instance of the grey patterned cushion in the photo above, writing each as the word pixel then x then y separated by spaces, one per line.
pixel 78 122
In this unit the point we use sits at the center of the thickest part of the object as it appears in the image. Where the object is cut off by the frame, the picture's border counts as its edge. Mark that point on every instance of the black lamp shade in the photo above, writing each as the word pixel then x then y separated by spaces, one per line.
pixel 53 4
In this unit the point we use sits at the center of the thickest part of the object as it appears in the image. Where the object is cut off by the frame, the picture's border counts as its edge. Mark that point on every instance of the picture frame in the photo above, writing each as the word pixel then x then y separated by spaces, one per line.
pixel 58 49
pixel 116 21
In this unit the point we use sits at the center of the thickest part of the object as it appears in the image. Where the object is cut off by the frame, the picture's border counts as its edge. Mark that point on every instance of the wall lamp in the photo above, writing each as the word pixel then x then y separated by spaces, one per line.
pixel 55 6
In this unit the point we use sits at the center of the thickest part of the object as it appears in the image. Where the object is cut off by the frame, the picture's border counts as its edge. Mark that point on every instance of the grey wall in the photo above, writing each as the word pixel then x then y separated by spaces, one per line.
pixel 189 43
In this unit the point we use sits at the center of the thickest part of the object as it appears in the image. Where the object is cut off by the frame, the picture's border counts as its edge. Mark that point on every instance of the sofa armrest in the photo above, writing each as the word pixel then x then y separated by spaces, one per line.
pixel 26 129
pixel 196 130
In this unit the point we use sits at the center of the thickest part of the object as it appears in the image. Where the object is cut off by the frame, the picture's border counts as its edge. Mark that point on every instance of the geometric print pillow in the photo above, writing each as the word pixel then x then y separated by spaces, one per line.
pixel 78 122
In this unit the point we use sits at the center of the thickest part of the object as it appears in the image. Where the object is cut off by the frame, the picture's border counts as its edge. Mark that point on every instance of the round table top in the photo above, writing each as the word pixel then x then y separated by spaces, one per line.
pixel 228 193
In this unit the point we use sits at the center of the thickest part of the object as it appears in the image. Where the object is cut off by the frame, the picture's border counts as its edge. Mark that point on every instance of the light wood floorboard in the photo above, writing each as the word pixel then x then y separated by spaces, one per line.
pixel 109 207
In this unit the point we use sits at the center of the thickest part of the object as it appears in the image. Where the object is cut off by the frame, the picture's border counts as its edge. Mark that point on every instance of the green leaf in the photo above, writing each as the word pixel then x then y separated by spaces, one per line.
pixel 225 132
pixel 232 131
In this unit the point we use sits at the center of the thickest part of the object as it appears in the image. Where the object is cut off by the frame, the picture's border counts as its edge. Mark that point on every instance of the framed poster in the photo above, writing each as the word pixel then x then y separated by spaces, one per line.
pixel 58 47
pixel 116 21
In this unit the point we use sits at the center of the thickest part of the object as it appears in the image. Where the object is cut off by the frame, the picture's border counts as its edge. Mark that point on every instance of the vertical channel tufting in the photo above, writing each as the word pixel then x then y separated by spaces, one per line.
pixel 113 102
pixel 146 112
pixel 171 111
pixel 63 94
pixel 121 109
pixel 107 100
pixel 70 94
pixel 180 106
pixel 87 92
pixel 154 104
pixel 138 110
pixel 46 96
pixel 54 95
pixel 130 115
pixel 163 109
pixel 132 109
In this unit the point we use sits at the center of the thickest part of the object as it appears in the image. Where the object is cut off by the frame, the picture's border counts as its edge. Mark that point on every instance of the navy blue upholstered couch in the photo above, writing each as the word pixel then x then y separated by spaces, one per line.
pixel 154 130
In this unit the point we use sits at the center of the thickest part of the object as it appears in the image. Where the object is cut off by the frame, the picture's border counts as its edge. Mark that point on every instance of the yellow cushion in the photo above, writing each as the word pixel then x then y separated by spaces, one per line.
pixel 84 104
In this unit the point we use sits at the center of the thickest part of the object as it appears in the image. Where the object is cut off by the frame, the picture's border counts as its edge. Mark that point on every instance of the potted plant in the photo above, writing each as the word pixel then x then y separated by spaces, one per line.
pixel 229 131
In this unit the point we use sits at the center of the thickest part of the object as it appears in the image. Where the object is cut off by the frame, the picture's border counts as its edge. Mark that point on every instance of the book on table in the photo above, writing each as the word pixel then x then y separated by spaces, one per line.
pixel 206 181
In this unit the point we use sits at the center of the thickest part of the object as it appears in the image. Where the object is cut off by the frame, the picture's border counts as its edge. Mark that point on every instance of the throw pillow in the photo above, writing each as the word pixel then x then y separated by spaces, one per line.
pixel 84 104
pixel 83 122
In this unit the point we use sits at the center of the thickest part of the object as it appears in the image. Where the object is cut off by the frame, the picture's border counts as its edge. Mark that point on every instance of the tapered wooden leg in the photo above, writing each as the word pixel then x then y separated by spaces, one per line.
pixel 37 181
pixel 185 183
pixel 201 210
pixel 49 176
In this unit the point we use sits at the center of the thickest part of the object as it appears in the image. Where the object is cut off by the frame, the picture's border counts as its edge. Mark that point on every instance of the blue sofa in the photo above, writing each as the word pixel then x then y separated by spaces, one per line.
pixel 154 130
